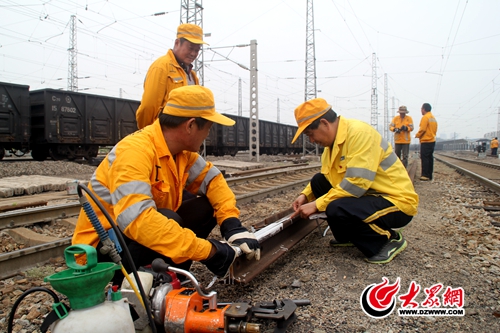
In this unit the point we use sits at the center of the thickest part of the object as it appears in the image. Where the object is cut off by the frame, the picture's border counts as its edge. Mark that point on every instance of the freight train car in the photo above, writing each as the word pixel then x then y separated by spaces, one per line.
pixel 15 128
pixel 274 138
pixel 61 124
pixel 68 124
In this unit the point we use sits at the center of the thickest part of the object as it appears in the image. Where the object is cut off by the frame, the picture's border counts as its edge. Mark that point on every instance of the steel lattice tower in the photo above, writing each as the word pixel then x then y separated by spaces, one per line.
pixel 310 84
pixel 72 64
pixel 374 118
pixel 192 12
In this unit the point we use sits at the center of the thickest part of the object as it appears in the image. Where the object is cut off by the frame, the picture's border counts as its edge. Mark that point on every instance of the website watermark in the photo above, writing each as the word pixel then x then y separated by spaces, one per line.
pixel 379 300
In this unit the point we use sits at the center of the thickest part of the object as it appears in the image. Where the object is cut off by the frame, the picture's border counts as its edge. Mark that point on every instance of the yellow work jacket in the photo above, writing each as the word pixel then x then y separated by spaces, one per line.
pixel 361 162
pixel 164 75
pixel 403 136
pixel 428 128
pixel 140 176
pixel 494 143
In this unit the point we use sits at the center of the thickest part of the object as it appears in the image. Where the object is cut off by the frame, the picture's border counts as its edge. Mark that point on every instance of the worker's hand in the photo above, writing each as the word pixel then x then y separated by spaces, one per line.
pixel 397 130
pixel 237 235
pixel 404 128
pixel 301 199
pixel 220 261
pixel 305 210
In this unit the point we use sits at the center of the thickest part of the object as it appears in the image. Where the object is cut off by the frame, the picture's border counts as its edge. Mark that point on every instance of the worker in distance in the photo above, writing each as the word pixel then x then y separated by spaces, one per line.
pixel 164 197
pixel 363 187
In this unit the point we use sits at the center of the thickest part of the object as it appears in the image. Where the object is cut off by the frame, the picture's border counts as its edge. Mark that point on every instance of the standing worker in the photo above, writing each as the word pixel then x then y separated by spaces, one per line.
pixel 494 146
pixel 402 125
pixel 173 70
pixel 427 135
pixel 363 188
pixel 164 197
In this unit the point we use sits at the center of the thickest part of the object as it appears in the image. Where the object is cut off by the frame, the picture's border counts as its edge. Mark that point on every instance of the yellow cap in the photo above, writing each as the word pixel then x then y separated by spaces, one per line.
pixel 191 32
pixel 194 101
pixel 308 112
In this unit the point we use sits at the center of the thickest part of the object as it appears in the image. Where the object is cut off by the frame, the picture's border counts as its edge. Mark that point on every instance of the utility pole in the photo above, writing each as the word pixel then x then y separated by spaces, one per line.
pixel 72 63
pixel 278 112
pixel 254 103
pixel 192 12
pixel 374 115
pixel 386 108
pixel 240 105
pixel 310 84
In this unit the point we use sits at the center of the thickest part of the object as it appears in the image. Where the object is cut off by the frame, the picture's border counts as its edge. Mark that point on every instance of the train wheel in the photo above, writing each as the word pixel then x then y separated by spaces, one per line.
pixel 55 155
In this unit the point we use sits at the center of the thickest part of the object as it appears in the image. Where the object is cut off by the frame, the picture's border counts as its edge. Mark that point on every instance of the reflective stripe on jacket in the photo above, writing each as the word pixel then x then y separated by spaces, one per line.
pixel 140 176
pixel 403 136
pixel 164 75
pixel 428 128
pixel 361 163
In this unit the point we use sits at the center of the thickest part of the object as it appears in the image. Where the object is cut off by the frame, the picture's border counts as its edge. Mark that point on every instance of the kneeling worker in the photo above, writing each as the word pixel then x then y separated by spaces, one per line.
pixel 363 187
pixel 164 197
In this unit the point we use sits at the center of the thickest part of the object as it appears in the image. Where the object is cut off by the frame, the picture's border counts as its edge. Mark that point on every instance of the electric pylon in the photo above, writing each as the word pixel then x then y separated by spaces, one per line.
pixel 72 64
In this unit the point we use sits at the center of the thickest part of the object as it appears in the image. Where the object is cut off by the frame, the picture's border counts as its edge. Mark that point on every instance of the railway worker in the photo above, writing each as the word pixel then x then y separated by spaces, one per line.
pixel 173 70
pixel 427 136
pixel 165 198
pixel 494 146
pixel 363 187
pixel 402 125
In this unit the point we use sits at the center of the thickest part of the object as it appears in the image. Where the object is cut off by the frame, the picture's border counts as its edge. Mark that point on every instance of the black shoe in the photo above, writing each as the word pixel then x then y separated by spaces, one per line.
pixel 390 250
pixel 334 242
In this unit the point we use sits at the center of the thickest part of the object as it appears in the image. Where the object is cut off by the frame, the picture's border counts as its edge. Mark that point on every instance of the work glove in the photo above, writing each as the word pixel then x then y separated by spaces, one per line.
pixel 404 128
pixel 397 130
pixel 237 235
pixel 222 260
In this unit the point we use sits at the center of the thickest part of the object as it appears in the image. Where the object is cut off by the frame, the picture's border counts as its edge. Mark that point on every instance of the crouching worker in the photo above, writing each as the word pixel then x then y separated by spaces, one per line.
pixel 164 197
pixel 363 187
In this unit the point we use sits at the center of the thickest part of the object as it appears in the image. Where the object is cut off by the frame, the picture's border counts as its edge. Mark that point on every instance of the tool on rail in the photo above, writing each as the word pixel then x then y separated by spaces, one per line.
pixel 158 302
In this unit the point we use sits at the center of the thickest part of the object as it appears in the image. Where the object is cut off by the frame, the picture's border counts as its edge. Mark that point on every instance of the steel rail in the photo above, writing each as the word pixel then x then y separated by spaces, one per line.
pixel 21 217
pixel 12 263
pixel 480 179
pixel 486 164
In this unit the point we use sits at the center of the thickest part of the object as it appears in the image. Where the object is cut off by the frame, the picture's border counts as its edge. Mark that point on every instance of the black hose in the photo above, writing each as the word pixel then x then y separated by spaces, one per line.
pixel 125 250
pixel 20 299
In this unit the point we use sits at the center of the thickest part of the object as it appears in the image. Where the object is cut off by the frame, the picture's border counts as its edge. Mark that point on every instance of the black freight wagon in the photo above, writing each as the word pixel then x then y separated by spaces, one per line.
pixel 66 124
pixel 14 119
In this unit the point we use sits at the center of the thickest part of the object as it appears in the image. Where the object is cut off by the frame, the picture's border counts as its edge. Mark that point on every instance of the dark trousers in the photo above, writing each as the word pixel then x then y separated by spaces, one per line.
pixel 494 151
pixel 347 218
pixel 195 213
pixel 427 158
pixel 402 150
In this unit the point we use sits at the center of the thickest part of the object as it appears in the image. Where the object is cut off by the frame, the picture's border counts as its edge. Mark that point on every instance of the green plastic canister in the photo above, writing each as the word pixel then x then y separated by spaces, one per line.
pixel 84 286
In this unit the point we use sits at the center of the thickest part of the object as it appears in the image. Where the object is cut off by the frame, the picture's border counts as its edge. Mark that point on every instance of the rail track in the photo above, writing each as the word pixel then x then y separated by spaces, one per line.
pixel 248 188
pixel 488 174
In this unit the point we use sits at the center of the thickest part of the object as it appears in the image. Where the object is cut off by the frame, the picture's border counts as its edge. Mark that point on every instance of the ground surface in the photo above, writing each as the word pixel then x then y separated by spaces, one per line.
pixel 448 243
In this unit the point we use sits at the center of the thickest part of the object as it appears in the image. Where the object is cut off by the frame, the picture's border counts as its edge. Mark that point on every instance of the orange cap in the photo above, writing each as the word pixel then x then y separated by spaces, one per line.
pixel 194 101
pixel 191 32
pixel 308 112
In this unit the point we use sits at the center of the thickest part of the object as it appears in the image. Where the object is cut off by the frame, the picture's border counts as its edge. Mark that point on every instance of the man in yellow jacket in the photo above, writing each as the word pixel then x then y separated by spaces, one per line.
pixel 402 125
pixel 173 70
pixel 427 135
pixel 164 197
pixel 363 187
pixel 494 146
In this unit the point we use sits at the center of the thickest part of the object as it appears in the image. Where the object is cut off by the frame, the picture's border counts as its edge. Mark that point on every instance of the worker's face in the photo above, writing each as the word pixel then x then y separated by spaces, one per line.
pixel 185 51
pixel 402 115
pixel 324 135
pixel 197 135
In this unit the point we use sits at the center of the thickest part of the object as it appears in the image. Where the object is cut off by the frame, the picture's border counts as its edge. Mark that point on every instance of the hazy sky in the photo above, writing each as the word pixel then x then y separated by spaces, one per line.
pixel 444 52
